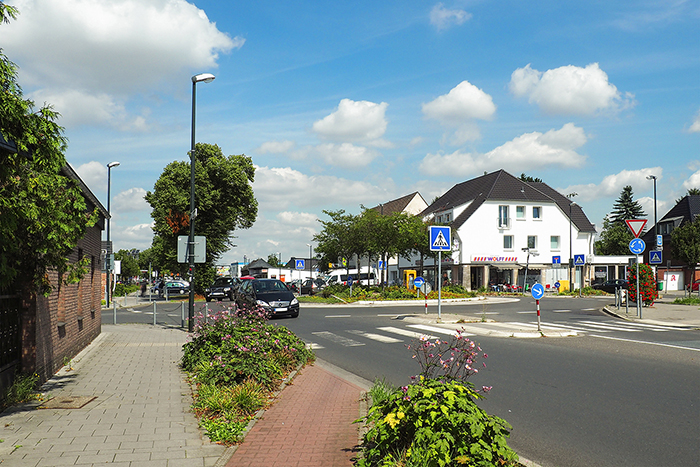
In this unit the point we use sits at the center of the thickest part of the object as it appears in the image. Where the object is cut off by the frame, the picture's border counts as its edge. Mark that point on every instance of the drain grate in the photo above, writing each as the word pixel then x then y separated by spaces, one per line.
pixel 67 402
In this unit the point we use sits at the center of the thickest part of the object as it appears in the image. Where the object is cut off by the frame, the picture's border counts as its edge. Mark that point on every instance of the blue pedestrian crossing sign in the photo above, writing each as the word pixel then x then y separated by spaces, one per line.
pixel 655 257
pixel 579 260
pixel 300 264
pixel 440 238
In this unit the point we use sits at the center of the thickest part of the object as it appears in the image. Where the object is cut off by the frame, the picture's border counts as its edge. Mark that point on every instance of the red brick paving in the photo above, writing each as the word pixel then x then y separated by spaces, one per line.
pixel 310 425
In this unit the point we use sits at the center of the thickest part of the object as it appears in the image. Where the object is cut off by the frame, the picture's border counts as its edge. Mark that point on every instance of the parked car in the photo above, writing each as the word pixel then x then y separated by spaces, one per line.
pixel 223 287
pixel 612 285
pixel 271 294
pixel 174 288
pixel 695 286
pixel 312 286
pixel 295 285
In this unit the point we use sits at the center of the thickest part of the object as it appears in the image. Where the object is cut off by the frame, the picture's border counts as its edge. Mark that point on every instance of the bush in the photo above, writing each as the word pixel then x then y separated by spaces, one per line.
pixel 124 289
pixel 647 284
pixel 23 389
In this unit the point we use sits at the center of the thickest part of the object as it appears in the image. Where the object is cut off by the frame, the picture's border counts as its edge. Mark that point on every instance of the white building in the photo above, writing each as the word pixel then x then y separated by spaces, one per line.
pixel 502 225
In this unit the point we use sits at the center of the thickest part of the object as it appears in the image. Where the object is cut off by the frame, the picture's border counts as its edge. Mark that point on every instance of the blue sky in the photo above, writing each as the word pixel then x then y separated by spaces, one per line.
pixel 342 104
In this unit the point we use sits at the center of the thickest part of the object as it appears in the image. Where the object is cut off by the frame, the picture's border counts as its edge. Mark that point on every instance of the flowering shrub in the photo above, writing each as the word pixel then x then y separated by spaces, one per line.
pixel 647 284
pixel 435 420
pixel 237 345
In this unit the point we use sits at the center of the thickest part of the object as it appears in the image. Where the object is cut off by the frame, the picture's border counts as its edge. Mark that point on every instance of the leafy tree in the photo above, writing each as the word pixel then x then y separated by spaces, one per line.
pixel 685 244
pixel 691 192
pixel 43 213
pixel 614 239
pixel 338 238
pixel 626 207
pixel 130 267
pixel 527 178
pixel 224 201
pixel 273 260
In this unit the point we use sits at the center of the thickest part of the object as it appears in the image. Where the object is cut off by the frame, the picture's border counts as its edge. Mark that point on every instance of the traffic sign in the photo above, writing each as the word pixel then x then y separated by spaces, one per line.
pixel 636 226
pixel 655 257
pixel 300 264
pixel 418 282
pixel 440 238
pixel 556 259
pixel 659 240
pixel 637 246
pixel 537 291
pixel 579 260
pixel 557 284
pixel 381 265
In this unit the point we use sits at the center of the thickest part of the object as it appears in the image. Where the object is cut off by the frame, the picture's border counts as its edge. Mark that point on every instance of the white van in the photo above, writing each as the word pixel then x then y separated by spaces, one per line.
pixel 340 276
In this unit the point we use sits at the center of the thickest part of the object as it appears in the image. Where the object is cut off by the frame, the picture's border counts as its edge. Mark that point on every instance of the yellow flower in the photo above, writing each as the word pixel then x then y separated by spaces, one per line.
pixel 400 415
pixel 391 420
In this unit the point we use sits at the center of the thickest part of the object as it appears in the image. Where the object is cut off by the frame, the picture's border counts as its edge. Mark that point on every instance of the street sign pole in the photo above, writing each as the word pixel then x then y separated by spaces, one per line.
pixel 539 326
pixel 439 277
pixel 639 302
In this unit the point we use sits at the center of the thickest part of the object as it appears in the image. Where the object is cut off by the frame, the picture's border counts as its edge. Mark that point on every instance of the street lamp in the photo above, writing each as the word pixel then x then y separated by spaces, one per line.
pixel 527 266
pixel 656 227
pixel 109 217
pixel 204 78
pixel 310 253
pixel 571 255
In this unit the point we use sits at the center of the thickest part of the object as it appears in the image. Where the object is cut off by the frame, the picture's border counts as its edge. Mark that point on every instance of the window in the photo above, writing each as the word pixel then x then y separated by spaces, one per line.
pixel 503 216
pixel 507 242
pixel 554 242
pixel 520 212
pixel 537 212
pixel 532 242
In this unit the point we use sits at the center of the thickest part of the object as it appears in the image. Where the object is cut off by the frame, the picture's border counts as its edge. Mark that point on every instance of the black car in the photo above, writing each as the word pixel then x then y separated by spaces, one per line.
pixel 271 294
pixel 612 285
pixel 223 287
pixel 312 286
pixel 174 288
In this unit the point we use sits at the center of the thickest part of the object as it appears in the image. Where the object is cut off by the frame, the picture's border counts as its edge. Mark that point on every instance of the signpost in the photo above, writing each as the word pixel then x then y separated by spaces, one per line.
pixel 537 293
pixel 637 246
pixel 420 282
pixel 440 240
pixel 300 264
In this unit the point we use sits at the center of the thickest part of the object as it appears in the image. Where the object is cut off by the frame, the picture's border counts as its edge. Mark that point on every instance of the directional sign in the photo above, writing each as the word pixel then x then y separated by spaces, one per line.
pixel 655 257
pixel 300 264
pixel 579 260
pixel 537 291
pixel 556 259
pixel 637 246
pixel 557 284
pixel 636 226
pixel 659 240
pixel 440 238
pixel 418 282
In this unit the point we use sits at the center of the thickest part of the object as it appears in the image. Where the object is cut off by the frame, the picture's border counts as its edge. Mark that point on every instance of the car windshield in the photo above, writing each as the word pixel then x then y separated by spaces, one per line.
pixel 269 286
pixel 222 281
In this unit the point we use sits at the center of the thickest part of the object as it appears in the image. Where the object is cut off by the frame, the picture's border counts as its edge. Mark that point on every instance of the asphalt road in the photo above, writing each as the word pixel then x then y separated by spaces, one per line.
pixel 617 394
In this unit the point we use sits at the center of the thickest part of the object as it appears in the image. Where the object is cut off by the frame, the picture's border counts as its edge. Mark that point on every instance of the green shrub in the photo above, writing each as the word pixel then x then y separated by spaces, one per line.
pixel 435 423
pixel 23 389
pixel 123 289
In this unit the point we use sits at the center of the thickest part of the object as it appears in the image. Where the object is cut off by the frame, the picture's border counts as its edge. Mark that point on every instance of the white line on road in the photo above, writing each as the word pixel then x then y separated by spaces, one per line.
pixel 449 332
pixel 649 343
pixel 527 312
pixel 375 337
pixel 338 316
pixel 344 341
pixel 561 311
pixel 406 332
pixel 314 346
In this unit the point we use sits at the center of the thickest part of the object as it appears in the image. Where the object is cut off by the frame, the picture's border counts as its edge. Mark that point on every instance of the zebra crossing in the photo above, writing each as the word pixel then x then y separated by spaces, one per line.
pixel 404 335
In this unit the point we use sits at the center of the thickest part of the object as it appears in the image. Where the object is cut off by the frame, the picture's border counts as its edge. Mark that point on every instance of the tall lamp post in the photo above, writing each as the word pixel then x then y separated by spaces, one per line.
pixel 310 253
pixel 656 228
pixel 205 78
pixel 571 255
pixel 109 263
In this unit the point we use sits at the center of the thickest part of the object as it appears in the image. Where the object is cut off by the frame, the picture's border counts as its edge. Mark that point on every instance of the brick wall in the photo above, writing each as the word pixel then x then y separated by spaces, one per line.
pixel 57 327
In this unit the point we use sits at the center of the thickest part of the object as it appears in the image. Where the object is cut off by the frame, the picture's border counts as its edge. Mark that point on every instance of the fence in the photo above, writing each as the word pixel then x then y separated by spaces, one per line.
pixel 10 338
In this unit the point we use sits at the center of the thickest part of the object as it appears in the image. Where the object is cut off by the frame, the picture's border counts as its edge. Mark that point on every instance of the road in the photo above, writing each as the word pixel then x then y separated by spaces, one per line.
pixel 616 394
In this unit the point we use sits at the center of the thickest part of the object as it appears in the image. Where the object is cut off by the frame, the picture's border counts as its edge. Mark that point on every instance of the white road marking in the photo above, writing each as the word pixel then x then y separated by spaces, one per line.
pixel 375 337
pixel 314 346
pixel 648 343
pixel 435 329
pixel 650 327
pixel 344 341
pixel 527 312
pixel 338 316
pixel 561 311
pixel 406 332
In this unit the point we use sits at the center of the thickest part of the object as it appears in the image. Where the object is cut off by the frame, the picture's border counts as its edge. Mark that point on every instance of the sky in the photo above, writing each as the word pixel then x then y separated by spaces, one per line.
pixel 348 104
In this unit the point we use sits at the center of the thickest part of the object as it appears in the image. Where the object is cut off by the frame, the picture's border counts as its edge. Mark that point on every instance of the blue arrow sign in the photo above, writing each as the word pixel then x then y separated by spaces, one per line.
pixel 579 260
pixel 440 238
pixel 418 282
pixel 537 291
pixel 655 257
pixel 300 264
pixel 557 284
pixel 637 246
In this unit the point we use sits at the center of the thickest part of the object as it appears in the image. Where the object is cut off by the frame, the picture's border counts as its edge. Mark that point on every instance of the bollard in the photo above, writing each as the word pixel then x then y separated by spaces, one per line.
pixel 114 305
pixel 206 313
pixel 182 314
pixel 154 313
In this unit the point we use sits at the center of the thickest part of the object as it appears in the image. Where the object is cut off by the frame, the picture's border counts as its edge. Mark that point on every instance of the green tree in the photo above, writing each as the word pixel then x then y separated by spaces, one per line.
pixel 614 239
pixel 339 237
pixel 130 267
pixel 685 244
pixel 273 260
pixel 527 178
pixel 626 207
pixel 43 213
pixel 224 200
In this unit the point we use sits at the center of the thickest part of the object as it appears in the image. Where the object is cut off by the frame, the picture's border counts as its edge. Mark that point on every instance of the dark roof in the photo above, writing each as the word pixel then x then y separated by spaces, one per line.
pixel 685 210
pixel 502 186
pixel 397 205
pixel 259 264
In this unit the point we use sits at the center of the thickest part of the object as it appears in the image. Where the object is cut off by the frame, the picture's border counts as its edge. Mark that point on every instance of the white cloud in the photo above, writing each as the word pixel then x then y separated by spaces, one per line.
pixel 443 18
pixel 92 55
pixel 528 151
pixel 275 147
pixel 138 236
pixel 345 155
pixel 464 102
pixel 131 200
pixel 94 174
pixel 297 218
pixel 612 185
pixel 693 181
pixel 569 90
pixel 353 121
pixel 695 126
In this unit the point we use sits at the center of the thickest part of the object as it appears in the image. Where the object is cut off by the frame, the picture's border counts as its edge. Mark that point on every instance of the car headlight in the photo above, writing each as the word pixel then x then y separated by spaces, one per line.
pixel 263 304
pixel 227 289
pixel 294 301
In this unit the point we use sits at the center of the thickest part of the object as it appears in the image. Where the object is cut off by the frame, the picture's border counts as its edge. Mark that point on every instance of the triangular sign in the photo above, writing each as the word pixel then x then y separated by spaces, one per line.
pixel 636 226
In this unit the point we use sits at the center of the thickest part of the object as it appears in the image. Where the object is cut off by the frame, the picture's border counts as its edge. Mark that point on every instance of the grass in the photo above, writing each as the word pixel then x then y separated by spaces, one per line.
pixel 695 301
pixel 23 389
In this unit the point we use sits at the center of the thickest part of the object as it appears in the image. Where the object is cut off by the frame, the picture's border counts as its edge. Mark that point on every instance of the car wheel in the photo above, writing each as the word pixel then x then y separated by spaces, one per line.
pixel 295 314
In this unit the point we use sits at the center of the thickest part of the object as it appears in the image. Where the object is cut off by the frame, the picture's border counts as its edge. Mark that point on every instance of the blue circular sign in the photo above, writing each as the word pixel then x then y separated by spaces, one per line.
pixel 557 284
pixel 418 282
pixel 349 280
pixel 637 246
pixel 537 291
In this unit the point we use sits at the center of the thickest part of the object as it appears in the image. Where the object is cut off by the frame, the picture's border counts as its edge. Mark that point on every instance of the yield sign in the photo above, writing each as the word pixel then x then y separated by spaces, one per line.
pixel 636 226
